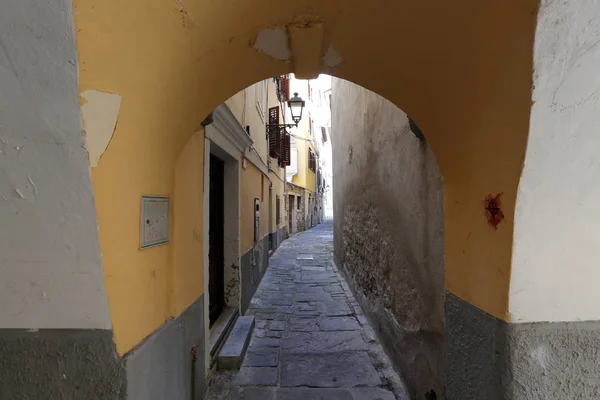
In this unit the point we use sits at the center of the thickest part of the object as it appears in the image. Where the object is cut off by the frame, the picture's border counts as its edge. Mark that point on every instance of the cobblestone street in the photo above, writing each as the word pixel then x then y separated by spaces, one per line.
pixel 311 339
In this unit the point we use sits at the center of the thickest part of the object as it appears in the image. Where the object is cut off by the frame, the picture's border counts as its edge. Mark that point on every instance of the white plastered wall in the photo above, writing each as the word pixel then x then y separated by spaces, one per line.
pixel 556 255
pixel 50 264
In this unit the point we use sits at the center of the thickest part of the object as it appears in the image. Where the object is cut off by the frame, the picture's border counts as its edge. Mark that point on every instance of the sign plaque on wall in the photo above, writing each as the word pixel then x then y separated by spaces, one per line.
pixel 154 222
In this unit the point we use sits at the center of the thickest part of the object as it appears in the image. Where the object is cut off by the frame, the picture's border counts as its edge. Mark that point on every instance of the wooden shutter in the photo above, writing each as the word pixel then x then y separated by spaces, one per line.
pixel 313 161
pixel 285 89
pixel 282 135
pixel 273 115
pixel 288 145
pixel 274 142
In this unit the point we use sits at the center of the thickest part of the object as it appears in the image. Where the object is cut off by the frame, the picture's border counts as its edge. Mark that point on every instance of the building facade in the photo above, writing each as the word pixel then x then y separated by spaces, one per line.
pixel 305 174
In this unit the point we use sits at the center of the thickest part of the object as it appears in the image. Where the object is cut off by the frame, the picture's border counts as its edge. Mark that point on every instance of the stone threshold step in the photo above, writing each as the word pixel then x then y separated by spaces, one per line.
pixel 233 351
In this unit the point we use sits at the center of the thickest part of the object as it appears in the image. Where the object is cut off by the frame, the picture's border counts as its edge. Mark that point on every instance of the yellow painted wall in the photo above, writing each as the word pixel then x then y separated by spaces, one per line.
pixel 146 53
pixel 187 272
pixel 252 189
pixel 174 62
pixel 244 106
pixel 305 177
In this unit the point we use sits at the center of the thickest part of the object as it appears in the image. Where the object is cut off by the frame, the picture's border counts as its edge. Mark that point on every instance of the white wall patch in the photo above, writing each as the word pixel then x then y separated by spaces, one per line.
pixel 100 113
pixel 275 43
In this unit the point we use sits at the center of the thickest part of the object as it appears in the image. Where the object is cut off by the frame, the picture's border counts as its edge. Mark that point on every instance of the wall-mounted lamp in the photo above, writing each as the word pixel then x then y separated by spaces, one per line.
pixel 296 105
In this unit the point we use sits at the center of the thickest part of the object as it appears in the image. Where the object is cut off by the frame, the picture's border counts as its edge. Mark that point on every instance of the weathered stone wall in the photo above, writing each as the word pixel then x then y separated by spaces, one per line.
pixel 389 235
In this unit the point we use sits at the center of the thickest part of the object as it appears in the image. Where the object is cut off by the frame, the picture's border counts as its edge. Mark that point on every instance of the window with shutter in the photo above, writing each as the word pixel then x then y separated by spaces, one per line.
pixel 311 160
pixel 286 89
pixel 283 88
pixel 273 115
pixel 282 135
pixel 288 159
pixel 274 142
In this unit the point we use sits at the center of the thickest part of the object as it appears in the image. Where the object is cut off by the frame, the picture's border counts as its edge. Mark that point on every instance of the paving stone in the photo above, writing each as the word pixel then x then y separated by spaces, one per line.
pixel 257 393
pixel 307 313
pixel 281 302
pixel 260 323
pixel 277 296
pixel 257 376
pixel 277 325
pixel 303 324
pixel 305 307
pixel 315 342
pixel 371 394
pixel 341 369
pixel 260 333
pixel 312 268
pixel 271 316
pixel 334 309
pixel 312 279
pixel 339 324
pixel 333 289
pixel 273 334
pixel 313 394
pixel 308 289
pixel 317 296
pixel 264 342
pixel 262 357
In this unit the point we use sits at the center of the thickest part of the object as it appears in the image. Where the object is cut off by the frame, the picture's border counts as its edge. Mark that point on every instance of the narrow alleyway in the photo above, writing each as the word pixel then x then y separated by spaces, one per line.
pixel 311 339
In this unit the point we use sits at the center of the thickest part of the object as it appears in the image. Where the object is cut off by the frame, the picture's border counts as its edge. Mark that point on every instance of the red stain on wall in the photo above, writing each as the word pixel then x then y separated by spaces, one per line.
pixel 493 210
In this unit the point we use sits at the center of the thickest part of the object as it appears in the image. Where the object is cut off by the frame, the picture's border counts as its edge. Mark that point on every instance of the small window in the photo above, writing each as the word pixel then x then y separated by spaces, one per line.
pixel 299 202
pixel 312 161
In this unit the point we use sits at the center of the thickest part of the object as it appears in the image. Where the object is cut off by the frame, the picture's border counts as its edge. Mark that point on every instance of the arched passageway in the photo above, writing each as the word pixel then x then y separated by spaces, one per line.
pixel 147 74
pixel 443 74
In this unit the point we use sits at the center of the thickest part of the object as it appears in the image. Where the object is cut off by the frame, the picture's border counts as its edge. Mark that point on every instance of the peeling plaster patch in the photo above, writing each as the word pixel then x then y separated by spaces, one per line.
pixel 274 42
pixel 100 113
pixel 332 58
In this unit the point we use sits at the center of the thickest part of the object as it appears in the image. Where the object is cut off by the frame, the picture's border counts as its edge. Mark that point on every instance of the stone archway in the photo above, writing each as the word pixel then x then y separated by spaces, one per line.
pixel 462 70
